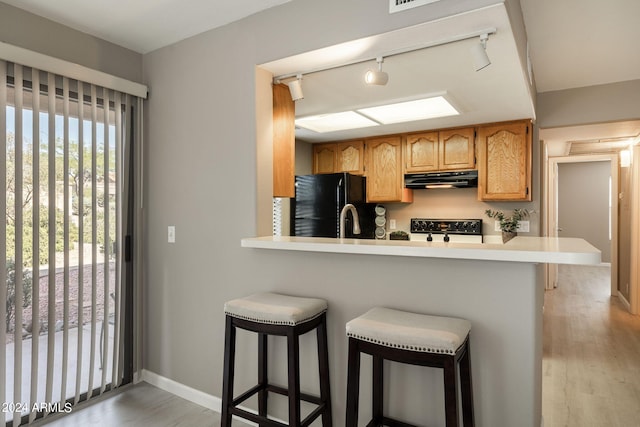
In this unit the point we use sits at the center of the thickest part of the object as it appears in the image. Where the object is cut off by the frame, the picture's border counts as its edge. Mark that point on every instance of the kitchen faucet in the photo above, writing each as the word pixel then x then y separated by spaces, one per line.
pixel 356 220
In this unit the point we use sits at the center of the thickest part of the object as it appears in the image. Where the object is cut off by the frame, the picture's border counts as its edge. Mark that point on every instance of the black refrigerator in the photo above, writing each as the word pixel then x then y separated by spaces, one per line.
pixel 315 211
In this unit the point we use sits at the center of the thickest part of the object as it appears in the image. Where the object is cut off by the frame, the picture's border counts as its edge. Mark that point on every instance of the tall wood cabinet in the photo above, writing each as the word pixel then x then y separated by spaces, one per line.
pixel 504 161
pixel 283 142
pixel 345 156
pixel 449 149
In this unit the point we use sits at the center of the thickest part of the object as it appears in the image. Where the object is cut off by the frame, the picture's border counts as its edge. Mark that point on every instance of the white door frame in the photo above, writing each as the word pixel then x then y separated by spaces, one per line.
pixel 552 210
pixel 634 290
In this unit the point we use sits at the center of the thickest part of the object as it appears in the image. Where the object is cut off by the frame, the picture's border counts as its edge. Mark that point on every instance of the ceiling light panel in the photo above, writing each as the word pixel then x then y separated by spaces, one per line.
pixel 419 109
pixel 335 122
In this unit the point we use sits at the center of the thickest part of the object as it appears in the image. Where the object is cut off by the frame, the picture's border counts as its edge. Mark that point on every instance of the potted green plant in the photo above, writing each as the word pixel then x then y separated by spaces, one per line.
pixel 508 224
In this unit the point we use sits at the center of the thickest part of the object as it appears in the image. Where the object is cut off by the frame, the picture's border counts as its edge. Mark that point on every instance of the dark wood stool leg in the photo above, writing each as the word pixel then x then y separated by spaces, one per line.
pixel 293 356
pixel 263 378
pixel 353 383
pixel 229 365
pixel 378 394
pixel 451 392
pixel 323 367
pixel 466 388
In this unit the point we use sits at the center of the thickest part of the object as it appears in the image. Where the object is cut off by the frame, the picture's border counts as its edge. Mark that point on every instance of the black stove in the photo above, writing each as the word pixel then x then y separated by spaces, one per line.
pixel 462 230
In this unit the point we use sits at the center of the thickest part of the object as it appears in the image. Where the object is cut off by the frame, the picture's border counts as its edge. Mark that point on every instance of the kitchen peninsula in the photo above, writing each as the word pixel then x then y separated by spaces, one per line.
pixel 498 287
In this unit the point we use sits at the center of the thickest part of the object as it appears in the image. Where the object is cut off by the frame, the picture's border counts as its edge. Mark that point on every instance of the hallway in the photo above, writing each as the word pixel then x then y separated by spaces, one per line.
pixel 591 353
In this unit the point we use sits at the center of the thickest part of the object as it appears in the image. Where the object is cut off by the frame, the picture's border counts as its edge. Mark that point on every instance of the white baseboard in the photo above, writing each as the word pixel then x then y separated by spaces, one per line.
pixel 624 301
pixel 191 394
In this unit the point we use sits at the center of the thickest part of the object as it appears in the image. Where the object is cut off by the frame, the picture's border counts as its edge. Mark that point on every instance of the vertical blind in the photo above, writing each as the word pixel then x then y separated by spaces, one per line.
pixel 67 188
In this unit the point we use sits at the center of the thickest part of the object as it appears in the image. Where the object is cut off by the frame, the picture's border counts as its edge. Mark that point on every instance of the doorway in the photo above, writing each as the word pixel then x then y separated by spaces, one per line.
pixel 580 204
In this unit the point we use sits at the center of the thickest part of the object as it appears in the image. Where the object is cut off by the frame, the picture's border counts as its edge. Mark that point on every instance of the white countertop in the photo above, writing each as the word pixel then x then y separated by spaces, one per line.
pixel 520 249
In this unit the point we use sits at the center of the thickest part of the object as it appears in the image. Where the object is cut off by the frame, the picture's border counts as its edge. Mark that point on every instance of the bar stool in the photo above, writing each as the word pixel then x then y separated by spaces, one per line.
pixel 275 314
pixel 415 339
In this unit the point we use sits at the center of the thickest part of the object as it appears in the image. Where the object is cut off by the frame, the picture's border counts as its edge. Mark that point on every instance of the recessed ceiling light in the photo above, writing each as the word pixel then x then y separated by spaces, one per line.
pixel 419 109
pixel 335 121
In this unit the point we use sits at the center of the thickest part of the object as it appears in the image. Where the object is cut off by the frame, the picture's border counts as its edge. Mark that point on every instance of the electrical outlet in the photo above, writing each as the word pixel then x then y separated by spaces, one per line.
pixel 171 234
pixel 496 226
pixel 392 224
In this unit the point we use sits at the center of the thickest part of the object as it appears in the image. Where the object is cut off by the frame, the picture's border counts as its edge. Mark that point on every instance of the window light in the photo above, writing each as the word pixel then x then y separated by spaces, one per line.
pixel 335 122
pixel 420 109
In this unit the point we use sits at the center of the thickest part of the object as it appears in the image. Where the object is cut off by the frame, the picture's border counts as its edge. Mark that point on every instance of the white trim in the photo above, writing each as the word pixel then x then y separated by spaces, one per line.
pixel 634 280
pixel 69 69
pixel 624 301
pixel 191 394
pixel 552 199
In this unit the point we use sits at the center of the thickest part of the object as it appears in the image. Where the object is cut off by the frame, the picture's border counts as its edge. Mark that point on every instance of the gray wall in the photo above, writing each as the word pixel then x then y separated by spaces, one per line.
pixel 201 168
pixel 35 33
pixel 201 177
pixel 583 203
pixel 595 104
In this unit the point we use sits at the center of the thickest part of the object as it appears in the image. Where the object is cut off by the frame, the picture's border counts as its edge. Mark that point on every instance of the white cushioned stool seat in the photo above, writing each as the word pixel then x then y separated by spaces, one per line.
pixel 410 331
pixel 275 308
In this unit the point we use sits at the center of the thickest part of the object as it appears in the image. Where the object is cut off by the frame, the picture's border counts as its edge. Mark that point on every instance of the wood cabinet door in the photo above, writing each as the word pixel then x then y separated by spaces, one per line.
pixel 456 149
pixel 350 157
pixel 284 142
pixel 384 169
pixel 324 158
pixel 422 152
pixel 504 162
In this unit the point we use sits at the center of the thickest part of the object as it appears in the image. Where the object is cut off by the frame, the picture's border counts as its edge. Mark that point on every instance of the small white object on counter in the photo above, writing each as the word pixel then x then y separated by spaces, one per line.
pixel 520 249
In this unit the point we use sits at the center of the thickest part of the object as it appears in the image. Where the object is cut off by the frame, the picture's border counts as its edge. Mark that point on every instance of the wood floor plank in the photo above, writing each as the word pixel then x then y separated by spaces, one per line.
pixel 591 353
pixel 140 405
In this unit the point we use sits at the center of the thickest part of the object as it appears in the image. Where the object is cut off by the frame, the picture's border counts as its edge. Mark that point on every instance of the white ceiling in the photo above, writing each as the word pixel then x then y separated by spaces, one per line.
pixel 497 93
pixel 144 25
pixel 576 43
pixel 573 43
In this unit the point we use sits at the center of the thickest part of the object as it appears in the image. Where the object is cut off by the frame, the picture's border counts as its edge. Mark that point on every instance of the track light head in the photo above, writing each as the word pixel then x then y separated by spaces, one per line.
pixel 295 88
pixel 479 53
pixel 379 77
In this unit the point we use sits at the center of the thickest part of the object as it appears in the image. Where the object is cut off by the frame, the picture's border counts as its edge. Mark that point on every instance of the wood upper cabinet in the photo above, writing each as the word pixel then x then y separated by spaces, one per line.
pixel 504 161
pixel 324 158
pixel 456 149
pixel 450 149
pixel 350 157
pixel 384 169
pixel 339 157
pixel 422 152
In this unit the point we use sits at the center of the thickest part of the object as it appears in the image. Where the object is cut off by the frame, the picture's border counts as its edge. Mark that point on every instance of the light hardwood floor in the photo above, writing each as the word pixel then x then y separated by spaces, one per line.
pixel 141 405
pixel 591 359
pixel 591 368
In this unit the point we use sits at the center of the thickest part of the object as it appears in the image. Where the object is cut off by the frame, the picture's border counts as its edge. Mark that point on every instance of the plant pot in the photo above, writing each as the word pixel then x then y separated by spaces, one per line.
pixel 508 235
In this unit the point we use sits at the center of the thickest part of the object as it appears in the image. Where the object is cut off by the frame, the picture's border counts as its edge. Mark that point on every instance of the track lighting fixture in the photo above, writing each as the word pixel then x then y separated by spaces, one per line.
pixel 295 88
pixel 373 77
pixel 479 53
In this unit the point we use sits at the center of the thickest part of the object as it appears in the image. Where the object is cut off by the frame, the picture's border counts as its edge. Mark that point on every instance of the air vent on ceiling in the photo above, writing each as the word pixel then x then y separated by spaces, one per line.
pixel 400 5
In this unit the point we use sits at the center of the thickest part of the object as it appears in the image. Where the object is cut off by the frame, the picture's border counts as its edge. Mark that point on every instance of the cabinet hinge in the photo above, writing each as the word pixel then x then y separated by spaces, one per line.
pixel 527 193
pixel 527 129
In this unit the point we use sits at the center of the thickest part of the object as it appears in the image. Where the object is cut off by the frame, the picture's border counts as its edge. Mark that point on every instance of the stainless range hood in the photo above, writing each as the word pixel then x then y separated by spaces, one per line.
pixel 460 179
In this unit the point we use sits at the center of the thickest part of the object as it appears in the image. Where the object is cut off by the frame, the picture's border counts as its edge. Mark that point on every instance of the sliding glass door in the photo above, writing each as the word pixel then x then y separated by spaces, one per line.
pixel 67 300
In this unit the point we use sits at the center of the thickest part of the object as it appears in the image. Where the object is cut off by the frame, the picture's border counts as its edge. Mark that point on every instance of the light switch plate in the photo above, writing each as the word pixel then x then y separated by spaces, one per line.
pixel 171 234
